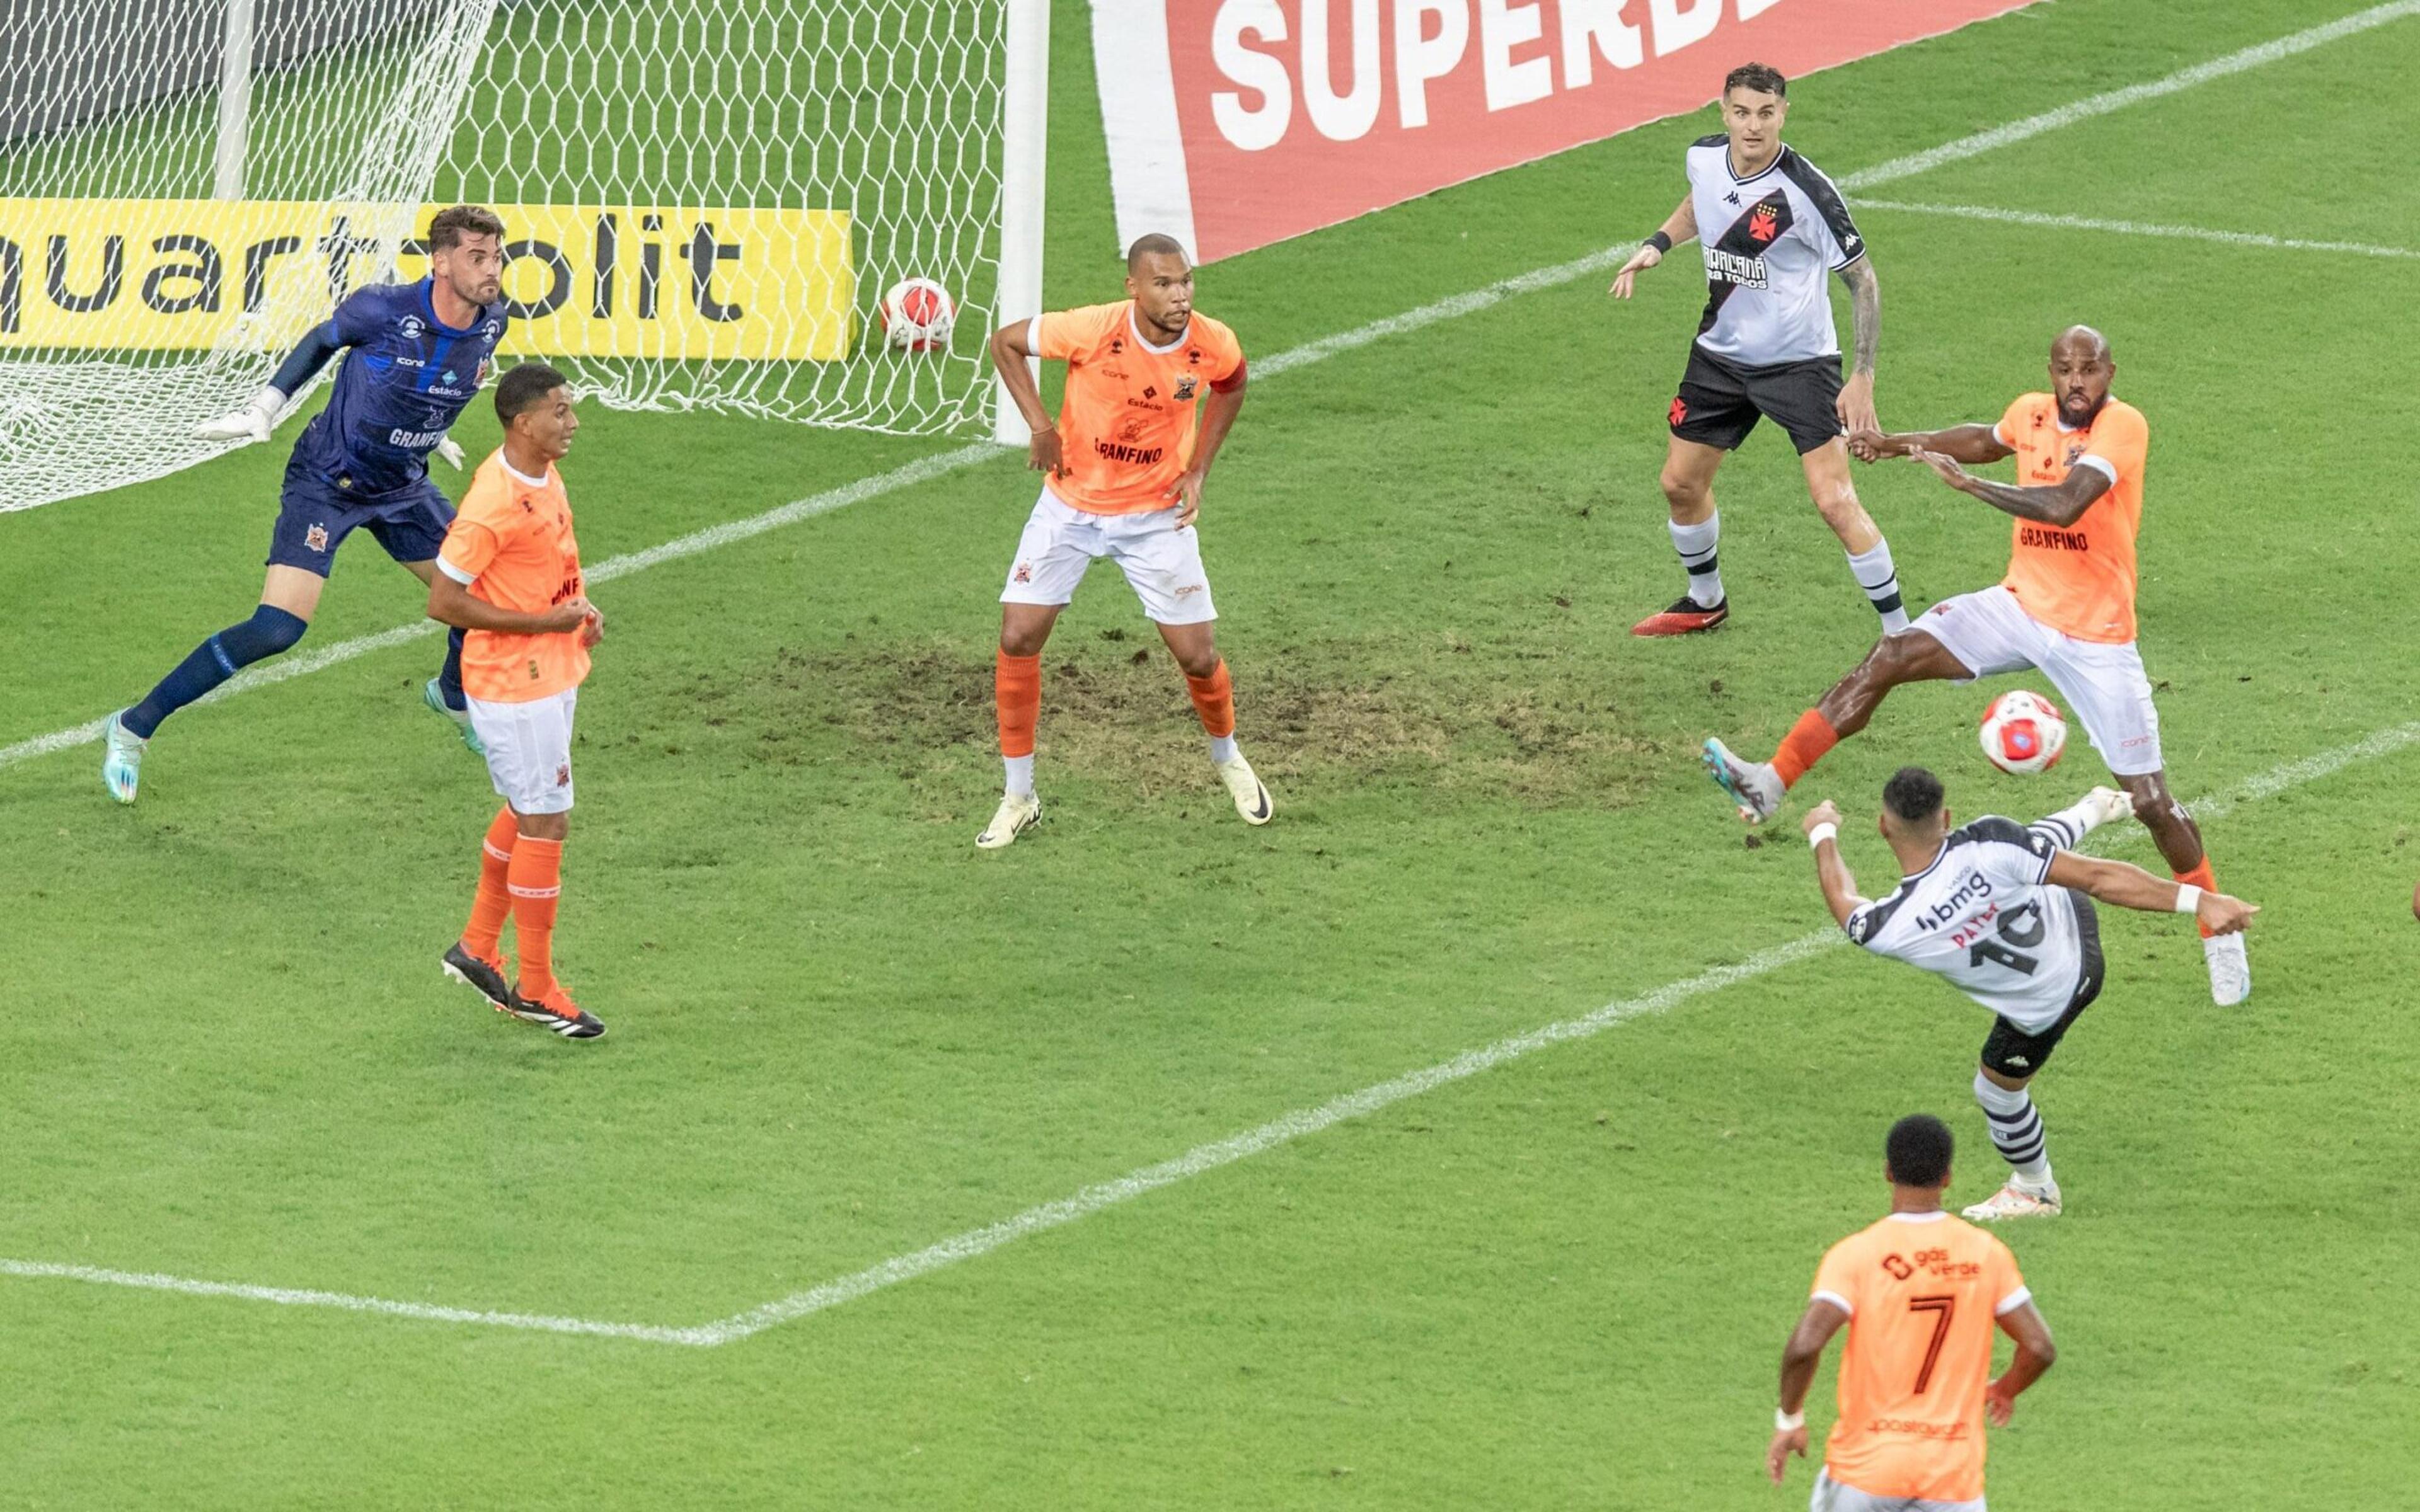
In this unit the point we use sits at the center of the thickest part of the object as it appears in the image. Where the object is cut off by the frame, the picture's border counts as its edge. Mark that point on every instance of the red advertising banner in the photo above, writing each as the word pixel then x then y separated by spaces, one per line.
pixel 1235 123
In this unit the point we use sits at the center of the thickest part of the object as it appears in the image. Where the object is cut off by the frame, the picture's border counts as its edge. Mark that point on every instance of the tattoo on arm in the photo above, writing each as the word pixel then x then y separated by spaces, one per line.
pixel 2061 504
pixel 1865 310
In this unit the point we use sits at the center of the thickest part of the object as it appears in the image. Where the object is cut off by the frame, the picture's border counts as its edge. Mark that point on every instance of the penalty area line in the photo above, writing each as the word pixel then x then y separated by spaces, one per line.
pixel 1046 1216
pixel 1452 307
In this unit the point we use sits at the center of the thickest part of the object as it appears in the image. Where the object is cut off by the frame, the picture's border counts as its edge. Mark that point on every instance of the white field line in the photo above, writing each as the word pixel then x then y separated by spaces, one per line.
pixel 1209 1157
pixel 1452 307
pixel 2136 228
pixel 2258 55
pixel 291 1297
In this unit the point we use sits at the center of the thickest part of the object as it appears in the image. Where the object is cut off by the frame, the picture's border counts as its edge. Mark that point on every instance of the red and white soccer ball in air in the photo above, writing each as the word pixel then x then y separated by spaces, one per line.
pixel 2024 733
pixel 918 315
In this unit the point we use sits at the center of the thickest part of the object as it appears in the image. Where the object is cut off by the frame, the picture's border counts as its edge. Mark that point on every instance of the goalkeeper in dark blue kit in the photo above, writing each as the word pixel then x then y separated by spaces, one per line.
pixel 418 352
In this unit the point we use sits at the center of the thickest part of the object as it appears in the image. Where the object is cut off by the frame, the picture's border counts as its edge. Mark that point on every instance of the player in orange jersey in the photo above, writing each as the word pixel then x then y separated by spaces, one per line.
pixel 1920 1293
pixel 1123 471
pixel 2066 607
pixel 509 574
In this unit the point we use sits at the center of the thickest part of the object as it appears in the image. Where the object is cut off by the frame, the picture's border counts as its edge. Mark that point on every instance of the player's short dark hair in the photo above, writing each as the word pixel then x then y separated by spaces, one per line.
pixel 1154 244
pixel 1917 1150
pixel 1761 77
pixel 524 389
pixel 1913 794
pixel 448 226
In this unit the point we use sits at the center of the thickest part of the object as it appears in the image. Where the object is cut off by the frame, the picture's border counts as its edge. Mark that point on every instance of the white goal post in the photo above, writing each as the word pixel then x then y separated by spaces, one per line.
pixel 705 202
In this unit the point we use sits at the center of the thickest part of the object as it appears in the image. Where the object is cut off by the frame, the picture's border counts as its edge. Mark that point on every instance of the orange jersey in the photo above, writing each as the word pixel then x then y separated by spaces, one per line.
pixel 2079 580
pixel 1126 425
pixel 1923 1294
pixel 511 544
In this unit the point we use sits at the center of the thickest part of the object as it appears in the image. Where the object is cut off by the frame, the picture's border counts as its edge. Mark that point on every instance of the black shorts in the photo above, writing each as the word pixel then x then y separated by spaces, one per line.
pixel 2020 1053
pixel 1720 400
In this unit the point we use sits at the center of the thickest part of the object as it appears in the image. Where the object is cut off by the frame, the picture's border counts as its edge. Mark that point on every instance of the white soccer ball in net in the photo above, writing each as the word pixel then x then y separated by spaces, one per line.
pixel 918 315
pixel 2024 733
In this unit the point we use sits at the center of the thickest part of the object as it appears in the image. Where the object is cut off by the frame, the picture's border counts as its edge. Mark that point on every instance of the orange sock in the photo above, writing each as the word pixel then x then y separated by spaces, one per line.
pixel 1806 743
pixel 535 882
pixel 2199 877
pixel 1016 684
pixel 482 935
pixel 1214 698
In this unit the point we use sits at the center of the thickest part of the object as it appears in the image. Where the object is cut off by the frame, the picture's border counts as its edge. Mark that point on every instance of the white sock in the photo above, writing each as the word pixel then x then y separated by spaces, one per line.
pixel 1879 579
pixel 1223 750
pixel 2016 1132
pixel 1695 543
pixel 1020 776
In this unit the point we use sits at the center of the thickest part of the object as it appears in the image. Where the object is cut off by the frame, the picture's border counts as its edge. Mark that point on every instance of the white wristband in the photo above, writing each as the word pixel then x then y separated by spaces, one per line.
pixel 2187 898
pixel 1820 833
pixel 1783 1422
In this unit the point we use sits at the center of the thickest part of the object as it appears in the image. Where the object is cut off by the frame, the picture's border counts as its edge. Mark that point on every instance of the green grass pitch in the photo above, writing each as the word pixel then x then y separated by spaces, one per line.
pixel 839 1034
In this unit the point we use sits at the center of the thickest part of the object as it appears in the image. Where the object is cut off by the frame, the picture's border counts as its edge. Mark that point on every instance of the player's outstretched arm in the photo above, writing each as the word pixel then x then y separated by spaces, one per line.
pixel 1799 1357
pixel 255 421
pixel 1011 349
pixel 1966 443
pixel 1680 226
pixel 2131 886
pixel 2061 504
pixel 2035 1354
pixel 1823 823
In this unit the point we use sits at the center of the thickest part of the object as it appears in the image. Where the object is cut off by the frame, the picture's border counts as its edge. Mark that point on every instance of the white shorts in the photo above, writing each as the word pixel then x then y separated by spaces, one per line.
pixel 2103 683
pixel 1162 564
pixel 529 750
pixel 1831 1496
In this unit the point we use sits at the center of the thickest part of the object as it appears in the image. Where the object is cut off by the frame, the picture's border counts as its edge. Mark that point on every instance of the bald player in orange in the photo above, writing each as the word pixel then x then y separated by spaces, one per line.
pixel 1921 1292
pixel 1153 388
pixel 508 574
pixel 2066 607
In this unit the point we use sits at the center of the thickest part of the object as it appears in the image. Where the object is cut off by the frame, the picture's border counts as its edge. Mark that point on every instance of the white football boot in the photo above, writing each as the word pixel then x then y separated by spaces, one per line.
pixel 2231 971
pixel 121 769
pixel 1251 799
pixel 1016 814
pixel 2013 1201
pixel 1755 787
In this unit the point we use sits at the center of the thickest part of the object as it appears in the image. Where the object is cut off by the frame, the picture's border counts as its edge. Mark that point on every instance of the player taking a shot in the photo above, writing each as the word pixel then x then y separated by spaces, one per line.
pixel 2003 912
pixel 2066 607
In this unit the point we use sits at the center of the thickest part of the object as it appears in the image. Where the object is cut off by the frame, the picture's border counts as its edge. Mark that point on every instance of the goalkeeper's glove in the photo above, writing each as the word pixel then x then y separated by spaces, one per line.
pixel 450 452
pixel 252 422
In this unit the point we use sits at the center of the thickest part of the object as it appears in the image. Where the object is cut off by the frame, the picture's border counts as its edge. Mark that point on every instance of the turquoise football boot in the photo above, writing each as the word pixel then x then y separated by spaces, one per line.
pixel 435 698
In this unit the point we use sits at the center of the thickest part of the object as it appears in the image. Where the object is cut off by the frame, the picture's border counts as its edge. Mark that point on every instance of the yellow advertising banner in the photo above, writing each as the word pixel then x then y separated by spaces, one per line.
pixel 582 281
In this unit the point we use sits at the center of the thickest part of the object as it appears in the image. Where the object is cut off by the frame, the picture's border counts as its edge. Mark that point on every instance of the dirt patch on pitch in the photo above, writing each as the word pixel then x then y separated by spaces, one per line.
pixel 1114 709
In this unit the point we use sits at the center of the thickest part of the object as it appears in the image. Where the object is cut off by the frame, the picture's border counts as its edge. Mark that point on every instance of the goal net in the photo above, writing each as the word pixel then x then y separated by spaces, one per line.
pixel 705 202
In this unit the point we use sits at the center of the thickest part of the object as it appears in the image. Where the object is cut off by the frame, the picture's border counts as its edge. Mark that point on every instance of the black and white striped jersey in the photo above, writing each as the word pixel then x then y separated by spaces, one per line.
pixel 1769 241
pixel 1985 916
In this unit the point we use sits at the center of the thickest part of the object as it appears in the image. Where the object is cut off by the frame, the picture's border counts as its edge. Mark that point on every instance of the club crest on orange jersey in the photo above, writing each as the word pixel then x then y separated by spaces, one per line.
pixel 1186 387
